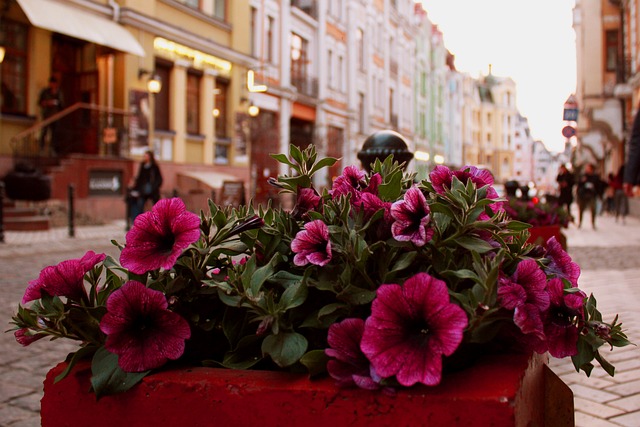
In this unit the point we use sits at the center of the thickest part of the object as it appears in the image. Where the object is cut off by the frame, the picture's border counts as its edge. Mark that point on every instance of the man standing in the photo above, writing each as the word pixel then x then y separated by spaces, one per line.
pixel 50 102
pixel 565 183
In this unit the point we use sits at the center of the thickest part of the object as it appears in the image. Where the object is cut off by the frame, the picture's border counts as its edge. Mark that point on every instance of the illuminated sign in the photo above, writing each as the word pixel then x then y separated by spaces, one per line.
pixel 199 59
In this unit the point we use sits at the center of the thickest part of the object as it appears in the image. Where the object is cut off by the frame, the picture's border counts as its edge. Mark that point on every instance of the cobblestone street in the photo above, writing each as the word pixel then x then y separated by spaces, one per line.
pixel 610 269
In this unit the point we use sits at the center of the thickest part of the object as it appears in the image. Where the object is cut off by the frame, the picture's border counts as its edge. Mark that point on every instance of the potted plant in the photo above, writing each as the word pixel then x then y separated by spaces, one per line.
pixel 547 218
pixel 380 283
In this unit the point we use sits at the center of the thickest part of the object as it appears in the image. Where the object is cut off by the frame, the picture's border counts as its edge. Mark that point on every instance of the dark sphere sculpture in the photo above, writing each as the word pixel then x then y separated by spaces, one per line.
pixel 380 145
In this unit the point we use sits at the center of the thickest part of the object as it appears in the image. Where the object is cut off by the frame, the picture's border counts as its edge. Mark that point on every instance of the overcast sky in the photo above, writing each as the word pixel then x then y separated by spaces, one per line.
pixel 532 42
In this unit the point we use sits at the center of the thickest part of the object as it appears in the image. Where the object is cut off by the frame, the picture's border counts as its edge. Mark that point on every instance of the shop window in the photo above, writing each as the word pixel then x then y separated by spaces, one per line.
pixel 162 100
pixel 13 71
pixel 220 111
pixel 193 102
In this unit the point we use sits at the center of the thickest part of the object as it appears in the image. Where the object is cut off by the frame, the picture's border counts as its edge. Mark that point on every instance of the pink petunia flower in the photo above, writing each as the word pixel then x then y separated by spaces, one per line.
pixel 410 328
pixel 352 181
pixel 158 237
pixel 140 329
pixel 24 338
pixel 412 216
pixel 441 178
pixel 308 200
pixel 564 319
pixel 560 263
pixel 525 293
pixel 312 244
pixel 65 279
pixel 349 366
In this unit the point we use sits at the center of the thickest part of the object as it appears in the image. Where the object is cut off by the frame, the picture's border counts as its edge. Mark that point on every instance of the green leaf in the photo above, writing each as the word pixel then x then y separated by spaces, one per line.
pixel 245 355
pixel 474 244
pixel 75 357
pixel 293 296
pixel 325 162
pixel 315 361
pixel 107 377
pixel 285 348
pixel 357 296
pixel 282 158
pixel 608 367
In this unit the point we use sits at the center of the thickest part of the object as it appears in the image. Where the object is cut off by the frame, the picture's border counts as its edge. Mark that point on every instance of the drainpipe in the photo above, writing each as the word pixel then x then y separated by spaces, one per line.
pixel 116 10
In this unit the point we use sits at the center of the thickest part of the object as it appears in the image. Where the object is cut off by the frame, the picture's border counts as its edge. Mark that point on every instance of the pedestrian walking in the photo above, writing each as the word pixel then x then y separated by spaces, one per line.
pixel 146 186
pixel 566 182
pixel 632 166
pixel 589 191
pixel 620 199
pixel 50 102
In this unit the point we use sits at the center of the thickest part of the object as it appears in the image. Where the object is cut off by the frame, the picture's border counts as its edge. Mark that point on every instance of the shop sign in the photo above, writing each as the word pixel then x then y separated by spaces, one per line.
pixel 105 182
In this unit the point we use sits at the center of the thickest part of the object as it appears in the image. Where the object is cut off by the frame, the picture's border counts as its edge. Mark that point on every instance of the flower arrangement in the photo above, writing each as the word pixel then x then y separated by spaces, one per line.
pixel 380 281
pixel 538 213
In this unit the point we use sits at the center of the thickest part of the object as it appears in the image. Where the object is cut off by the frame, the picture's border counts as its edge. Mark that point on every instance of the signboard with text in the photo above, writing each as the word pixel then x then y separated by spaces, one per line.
pixel 105 183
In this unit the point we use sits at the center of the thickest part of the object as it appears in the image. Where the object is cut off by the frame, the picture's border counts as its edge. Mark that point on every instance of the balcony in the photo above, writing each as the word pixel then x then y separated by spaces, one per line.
pixel 306 85
pixel 307 6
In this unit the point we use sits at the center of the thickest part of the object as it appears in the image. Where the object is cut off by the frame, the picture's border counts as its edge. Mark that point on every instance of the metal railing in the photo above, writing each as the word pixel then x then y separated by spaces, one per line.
pixel 80 128
pixel 306 85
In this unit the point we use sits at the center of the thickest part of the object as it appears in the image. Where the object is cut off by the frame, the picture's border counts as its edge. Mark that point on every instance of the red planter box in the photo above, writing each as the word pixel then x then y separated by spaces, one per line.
pixel 506 390
pixel 540 235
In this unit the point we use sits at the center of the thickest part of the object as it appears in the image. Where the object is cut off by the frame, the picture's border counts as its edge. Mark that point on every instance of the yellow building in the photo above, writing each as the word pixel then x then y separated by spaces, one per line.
pixel 165 75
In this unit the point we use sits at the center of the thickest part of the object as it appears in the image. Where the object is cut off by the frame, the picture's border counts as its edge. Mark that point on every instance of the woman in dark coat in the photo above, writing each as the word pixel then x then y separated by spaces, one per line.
pixel 146 186
pixel 565 182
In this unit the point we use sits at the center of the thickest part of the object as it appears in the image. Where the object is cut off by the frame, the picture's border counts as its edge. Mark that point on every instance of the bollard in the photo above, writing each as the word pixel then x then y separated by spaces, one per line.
pixel 1 211
pixel 71 210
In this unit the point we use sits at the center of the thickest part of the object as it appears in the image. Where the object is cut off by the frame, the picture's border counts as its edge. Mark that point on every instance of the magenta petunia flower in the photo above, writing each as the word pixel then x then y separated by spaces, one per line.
pixel 24 338
pixel 525 293
pixel 564 320
pixel 140 329
pixel 560 263
pixel 158 237
pixel 349 365
pixel 412 216
pixel 308 200
pixel 410 328
pixel 312 244
pixel 441 178
pixel 65 279
pixel 353 182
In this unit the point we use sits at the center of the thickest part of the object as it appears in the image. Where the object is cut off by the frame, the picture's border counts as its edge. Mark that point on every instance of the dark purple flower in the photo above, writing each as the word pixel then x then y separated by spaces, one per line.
pixel 312 244
pixel 158 237
pixel 410 328
pixel 353 182
pixel 412 216
pixel 24 338
pixel 560 263
pixel 564 320
pixel 441 178
pixel 140 329
pixel 64 280
pixel 349 365
pixel 525 293
pixel 308 200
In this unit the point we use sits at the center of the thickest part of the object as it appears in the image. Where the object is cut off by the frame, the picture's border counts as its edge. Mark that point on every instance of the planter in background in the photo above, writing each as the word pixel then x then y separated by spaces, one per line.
pixel 504 390
pixel 540 234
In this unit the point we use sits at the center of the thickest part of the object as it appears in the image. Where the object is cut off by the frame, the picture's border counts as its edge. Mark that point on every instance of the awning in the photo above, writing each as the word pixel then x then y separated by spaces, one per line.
pixel 210 179
pixel 71 21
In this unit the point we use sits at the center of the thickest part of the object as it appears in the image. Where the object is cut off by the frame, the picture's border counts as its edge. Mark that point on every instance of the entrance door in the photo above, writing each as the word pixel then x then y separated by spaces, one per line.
pixel 74 65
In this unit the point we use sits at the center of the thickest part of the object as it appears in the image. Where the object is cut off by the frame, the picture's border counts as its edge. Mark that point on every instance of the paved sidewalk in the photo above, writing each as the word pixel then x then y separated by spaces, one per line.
pixel 609 258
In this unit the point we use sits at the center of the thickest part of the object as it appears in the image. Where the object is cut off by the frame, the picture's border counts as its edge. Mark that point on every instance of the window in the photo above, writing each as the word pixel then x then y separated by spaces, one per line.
pixel 220 111
pixel 299 47
pixel 270 38
pixel 360 48
pixel 193 102
pixel 13 71
pixel 361 112
pixel 330 67
pixel 192 3
pixel 161 108
pixel 220 9
pixel 254 31
pixel 612 50
pixel 339 83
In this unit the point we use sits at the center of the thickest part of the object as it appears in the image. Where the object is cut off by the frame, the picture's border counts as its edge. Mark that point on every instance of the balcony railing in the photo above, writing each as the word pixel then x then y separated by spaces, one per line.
pixel 307 6
pixel 306 85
